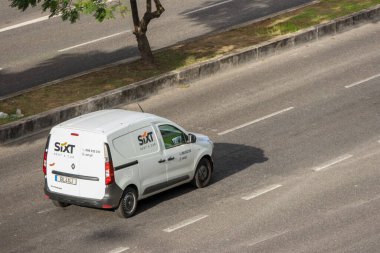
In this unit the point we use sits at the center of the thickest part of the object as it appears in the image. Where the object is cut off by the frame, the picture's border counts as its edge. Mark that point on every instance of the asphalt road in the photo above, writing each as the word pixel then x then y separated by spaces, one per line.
pixel 51 49
pixel 297 156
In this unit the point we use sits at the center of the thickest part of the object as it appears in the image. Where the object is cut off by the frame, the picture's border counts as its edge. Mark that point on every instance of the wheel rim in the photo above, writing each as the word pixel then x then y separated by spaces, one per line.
pixel 129 202
pixel 203 173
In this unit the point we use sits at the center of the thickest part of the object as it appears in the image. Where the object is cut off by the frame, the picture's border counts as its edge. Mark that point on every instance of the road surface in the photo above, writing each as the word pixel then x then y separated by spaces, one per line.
pixel 297 154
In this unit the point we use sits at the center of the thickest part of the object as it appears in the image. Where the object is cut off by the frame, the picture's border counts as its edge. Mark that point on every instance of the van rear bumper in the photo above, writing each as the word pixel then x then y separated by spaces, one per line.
pixel 111 198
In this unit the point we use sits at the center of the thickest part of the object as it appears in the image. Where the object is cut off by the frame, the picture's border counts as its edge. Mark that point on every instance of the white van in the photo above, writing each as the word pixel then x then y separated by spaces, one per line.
pixel 110 159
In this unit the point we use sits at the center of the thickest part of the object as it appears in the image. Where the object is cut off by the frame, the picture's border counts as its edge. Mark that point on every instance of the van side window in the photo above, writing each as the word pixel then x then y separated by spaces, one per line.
pixel 172 136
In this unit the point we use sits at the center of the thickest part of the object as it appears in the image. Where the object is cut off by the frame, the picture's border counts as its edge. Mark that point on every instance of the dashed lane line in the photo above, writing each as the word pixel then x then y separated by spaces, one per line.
pixel 119 250
pixel 33 21
pixel 261 191
pixel 266 238
pixel 362 81
pixel 93 41
pixel 207 7
pixel 256 121
pixel 185 223
pixel 333 162
pixel 45 210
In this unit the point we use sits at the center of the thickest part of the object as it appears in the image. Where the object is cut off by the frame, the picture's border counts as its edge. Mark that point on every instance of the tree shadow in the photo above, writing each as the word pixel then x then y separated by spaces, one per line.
pixel 229 159
pixel 218 16
pixel 59 67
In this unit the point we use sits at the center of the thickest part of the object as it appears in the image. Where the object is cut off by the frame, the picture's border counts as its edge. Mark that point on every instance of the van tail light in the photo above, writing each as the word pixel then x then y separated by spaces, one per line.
pixel 108 166
pixel 45 162
pixel 109 173
pixel 44 165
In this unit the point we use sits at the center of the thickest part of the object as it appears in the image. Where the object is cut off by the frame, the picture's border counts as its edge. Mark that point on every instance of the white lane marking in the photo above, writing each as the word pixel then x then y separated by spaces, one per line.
pixel 255 121
pixel 267 238
pixel 26 23
pixel 45 211
pixel 352 205
pixel 207 7
pixel 93 41
pixel 333 162
pixel 261 191
pixel 185 223
pixel 378 141
pixel 1 69
pixel 362 81
pixel 119 250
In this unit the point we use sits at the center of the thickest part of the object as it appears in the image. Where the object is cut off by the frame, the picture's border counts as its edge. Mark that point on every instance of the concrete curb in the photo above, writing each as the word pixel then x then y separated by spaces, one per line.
pixel 143 89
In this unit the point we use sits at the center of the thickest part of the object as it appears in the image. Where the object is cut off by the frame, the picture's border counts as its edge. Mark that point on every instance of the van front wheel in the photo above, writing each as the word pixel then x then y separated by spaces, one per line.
pixel 203 173
pixel 128 203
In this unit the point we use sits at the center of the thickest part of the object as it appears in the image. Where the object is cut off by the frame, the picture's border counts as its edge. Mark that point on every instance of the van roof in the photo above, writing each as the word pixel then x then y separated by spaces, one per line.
pixel 107 121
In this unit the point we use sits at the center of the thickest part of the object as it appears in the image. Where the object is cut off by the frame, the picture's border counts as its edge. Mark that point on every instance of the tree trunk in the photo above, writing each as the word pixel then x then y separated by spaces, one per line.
pixel 141 26
pixel 144 48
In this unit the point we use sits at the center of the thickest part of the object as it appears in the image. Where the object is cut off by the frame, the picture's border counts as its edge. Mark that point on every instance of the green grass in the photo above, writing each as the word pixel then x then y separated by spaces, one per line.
pixel 5 121
pixel 179 56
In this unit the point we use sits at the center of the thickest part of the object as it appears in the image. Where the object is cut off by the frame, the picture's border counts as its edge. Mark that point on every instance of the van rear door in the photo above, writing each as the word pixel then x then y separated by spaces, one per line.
pixel 75 163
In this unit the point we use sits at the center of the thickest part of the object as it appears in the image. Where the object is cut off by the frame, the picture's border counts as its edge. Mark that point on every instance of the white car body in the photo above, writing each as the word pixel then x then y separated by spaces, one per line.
pixel 140 146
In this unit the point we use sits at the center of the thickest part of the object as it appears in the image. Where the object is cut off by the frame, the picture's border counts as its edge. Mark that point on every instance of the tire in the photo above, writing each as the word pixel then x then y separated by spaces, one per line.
pixel 202 174
pixel 60 204
pixel 128 203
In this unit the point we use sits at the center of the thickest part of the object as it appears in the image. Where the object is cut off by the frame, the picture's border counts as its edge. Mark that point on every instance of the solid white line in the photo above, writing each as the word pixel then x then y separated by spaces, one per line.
pixel 93 41
pixel 185 223
pixel 119 250
pixel 26 23
pixel 361 82
pixel 255 121
pixel 207 7
pixel 261 192
pixel 337 160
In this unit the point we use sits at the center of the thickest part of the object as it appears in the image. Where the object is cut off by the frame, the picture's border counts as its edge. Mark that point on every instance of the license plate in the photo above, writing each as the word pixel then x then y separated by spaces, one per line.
pixel 65 180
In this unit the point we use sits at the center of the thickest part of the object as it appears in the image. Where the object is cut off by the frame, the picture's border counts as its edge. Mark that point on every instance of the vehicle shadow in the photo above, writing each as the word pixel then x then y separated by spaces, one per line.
pixel 229 159
pixel 233 158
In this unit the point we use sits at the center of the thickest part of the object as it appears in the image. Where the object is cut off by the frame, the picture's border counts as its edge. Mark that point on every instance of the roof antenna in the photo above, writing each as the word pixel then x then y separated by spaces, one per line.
pixel 140 108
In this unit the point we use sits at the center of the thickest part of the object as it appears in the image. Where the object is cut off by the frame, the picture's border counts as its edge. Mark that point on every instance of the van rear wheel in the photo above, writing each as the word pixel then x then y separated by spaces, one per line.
pixel 128 203
pixel 202 175
pixel 60 204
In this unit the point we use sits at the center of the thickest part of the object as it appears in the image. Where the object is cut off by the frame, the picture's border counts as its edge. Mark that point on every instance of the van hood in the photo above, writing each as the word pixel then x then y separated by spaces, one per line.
pixel 203 140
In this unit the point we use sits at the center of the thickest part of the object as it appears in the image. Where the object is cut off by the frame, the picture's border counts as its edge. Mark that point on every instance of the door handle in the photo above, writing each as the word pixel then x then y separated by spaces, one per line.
pixel 162 161
pixel 171 158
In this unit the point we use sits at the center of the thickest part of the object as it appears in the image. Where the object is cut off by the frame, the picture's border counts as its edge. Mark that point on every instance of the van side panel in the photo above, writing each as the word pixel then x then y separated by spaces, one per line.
pixel 138 155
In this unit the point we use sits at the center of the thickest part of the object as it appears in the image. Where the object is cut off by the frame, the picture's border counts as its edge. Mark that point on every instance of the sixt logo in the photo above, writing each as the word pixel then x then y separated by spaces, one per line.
pixel 64 147
pixel 145 138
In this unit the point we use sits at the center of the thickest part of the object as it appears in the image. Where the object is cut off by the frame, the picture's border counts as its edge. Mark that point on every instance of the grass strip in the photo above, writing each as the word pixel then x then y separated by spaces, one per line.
pixel 179 56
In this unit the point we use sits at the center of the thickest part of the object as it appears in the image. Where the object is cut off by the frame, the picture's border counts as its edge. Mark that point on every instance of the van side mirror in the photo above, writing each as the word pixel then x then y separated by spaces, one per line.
pixel 192 138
